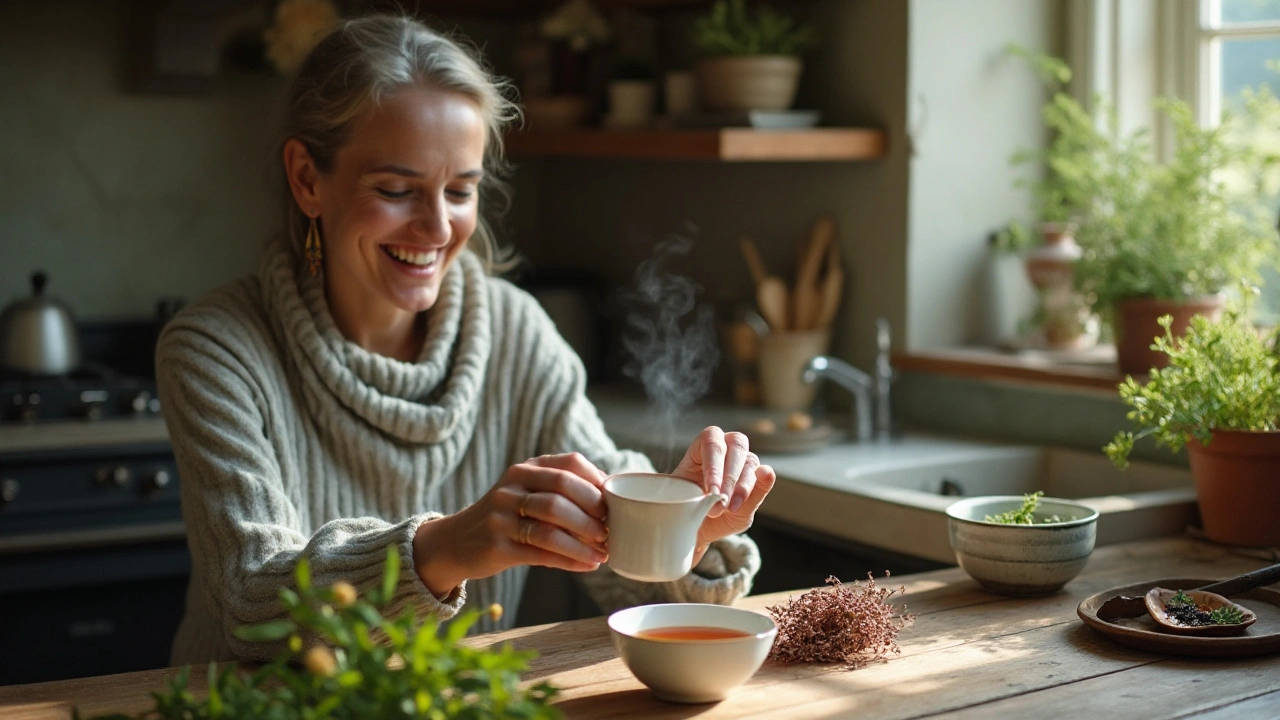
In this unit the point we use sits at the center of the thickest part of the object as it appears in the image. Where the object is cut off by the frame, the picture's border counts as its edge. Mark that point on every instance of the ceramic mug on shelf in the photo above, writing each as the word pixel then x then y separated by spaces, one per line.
pixel 653 524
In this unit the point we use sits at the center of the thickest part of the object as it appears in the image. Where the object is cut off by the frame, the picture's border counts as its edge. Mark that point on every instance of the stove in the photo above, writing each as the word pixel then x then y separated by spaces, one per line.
pixel 93 556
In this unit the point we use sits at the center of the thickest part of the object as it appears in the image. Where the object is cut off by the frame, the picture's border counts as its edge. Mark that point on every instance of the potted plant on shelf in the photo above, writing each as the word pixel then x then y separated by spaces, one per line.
pixel 1062 192
pixel 1166 238
pixel 1219 397
pixel 749 60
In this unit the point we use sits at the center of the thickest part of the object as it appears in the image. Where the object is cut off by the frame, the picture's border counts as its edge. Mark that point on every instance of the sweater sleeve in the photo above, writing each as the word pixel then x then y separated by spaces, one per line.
pixel 243 526
pixel 726 570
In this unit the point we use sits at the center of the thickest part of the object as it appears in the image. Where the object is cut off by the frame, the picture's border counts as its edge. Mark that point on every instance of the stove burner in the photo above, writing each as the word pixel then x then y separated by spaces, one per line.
pixel 91 392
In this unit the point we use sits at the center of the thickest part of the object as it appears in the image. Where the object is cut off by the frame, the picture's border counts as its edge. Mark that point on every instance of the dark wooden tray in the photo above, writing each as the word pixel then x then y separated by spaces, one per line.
pixel 1143 633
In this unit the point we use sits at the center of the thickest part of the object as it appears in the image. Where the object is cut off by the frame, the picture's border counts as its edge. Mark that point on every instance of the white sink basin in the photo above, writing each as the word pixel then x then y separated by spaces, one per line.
pixel 893 495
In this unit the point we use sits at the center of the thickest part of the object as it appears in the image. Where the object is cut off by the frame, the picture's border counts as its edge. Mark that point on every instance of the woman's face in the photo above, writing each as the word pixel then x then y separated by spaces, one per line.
pixel 401 201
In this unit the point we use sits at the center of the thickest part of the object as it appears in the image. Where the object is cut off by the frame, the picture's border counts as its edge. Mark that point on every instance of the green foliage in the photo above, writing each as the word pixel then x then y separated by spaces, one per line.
pixel 1024 515
pixel 1180 598
pixel 1227 615
pixel 1174 230
pixel 1063 184
pixel 730 29
pixel 416 671
pixel 1222 375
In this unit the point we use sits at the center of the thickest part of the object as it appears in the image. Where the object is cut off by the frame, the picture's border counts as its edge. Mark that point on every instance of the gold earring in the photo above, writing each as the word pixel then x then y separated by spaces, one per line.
pixel 313 252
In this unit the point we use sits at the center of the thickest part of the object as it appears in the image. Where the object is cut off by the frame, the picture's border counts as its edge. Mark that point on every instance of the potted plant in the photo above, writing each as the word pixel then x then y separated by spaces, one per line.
pixel 1063 192
pixel 1219 397
pixel 1166 238
pixel 748 60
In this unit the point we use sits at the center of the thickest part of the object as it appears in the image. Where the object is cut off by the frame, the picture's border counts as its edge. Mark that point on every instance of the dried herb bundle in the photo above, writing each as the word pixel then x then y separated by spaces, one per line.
pixel 851 624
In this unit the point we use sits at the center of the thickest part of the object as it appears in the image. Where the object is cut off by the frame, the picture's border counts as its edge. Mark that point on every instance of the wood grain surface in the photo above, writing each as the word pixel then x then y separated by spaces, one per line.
pixel 970 654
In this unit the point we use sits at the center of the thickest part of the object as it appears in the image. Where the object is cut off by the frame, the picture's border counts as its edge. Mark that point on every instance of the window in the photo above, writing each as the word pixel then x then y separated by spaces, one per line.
pixel 1237 46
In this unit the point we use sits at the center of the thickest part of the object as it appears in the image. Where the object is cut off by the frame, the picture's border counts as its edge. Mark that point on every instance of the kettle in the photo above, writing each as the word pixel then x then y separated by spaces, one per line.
pixel 38 334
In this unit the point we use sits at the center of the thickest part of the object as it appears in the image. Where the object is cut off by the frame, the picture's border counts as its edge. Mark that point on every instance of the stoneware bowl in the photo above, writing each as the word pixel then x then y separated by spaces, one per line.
pixel 692 671
pixel 1021 559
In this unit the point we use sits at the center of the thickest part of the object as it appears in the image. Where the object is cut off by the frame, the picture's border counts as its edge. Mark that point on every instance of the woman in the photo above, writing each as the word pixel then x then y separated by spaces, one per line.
pixel 374 385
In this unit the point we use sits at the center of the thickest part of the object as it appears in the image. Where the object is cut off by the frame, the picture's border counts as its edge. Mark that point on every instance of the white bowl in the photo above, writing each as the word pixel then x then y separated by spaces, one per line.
pixel 1021 559
pixel 692 671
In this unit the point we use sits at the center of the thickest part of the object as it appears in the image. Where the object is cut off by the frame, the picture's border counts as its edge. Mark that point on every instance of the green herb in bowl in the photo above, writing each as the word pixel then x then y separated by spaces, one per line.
pixel 1025 515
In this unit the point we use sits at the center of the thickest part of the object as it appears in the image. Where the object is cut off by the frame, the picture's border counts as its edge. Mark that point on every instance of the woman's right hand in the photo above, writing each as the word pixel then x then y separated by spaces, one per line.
pixel 546 511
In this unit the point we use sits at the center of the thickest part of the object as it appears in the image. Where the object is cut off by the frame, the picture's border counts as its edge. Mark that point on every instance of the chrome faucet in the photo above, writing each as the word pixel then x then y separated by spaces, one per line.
pixel 868 392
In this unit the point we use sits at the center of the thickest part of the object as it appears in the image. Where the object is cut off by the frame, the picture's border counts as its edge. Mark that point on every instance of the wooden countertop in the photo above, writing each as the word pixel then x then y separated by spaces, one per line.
pixel 969 654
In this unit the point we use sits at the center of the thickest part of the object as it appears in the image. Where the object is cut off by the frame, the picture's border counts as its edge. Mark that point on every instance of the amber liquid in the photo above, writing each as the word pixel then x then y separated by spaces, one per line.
pixel 685 633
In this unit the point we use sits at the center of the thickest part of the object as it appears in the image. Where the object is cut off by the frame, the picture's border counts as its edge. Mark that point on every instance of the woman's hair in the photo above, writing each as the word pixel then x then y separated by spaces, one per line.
pixel 370 58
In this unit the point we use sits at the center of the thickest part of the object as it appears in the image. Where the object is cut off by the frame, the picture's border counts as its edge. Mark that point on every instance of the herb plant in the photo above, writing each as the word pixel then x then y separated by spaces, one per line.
pixel 1064 188
pixel 1024 515
pixel 851 624
pixel 730 29
pixel 1221 376
pixel 416 671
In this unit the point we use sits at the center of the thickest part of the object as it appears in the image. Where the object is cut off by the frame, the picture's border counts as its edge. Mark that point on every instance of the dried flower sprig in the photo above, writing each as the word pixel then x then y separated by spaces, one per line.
pixel 851 624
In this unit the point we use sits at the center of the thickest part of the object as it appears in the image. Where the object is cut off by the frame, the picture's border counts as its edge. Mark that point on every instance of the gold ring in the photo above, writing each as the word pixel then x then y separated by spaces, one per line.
pixel 523 511
pixel 526 530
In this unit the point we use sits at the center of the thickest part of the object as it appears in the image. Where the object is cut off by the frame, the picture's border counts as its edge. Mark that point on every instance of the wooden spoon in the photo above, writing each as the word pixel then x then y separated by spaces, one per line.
pixel 1126 606
pixel 754 264
pixel 831 290
pixel 771 296
pixel 1157 601
pixel 808 297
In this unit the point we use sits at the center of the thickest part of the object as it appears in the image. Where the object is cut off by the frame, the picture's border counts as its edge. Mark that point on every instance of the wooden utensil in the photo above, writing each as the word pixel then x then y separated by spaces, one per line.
pixel 1123 606
pixel 1157 601
pixel 807 297
pixel 752 256
pixel 771 296
pixel 831 290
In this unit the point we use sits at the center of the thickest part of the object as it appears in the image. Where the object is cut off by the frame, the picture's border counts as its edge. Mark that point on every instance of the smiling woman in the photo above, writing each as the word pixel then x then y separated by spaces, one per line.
pixel 374 384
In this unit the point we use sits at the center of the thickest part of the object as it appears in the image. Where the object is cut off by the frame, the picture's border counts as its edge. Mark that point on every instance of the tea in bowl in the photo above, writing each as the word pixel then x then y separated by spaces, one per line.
pixel 653 524
pixel 692 652
pixel 1021 559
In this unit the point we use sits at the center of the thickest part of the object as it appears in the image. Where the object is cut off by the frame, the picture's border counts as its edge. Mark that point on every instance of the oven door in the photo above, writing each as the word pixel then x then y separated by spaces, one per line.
pixel 93 562
pixel 99 611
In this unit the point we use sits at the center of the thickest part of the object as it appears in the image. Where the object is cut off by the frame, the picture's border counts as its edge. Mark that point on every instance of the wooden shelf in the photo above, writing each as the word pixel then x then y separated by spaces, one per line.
pixel 1092 369
pixel 723 144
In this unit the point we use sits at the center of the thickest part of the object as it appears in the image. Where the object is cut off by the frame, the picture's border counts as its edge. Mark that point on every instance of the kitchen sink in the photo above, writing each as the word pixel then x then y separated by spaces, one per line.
pixel 893 495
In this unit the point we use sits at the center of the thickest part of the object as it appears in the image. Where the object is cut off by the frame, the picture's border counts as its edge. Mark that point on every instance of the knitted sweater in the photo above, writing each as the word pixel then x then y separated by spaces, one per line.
pixel 293 442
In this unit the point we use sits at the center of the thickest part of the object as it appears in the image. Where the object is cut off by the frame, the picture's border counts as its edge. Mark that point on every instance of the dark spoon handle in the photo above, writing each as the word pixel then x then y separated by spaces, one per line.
pixel 1248 581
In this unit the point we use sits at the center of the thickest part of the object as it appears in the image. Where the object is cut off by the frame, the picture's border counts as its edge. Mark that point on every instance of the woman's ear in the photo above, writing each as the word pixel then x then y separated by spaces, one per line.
pixel 303 176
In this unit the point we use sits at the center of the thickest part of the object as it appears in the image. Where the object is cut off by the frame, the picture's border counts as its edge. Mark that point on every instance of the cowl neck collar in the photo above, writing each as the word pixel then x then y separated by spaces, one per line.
pixel 425 401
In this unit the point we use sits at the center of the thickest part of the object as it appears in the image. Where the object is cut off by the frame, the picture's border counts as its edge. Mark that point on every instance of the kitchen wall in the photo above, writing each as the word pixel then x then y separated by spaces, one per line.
pixel 122 198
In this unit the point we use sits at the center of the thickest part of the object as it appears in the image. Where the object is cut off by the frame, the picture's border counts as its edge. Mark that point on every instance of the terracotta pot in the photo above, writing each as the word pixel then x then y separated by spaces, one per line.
pixel 1136 328
pixel 755 82
pixel 1237 478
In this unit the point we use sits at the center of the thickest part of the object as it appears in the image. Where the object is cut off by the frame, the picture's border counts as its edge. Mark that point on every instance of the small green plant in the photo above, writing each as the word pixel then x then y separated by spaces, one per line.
pixel 415 671
pixel 1180 598
pixel 1222 375
pixel 1024 515
pixel 730 29
pixel 1227 615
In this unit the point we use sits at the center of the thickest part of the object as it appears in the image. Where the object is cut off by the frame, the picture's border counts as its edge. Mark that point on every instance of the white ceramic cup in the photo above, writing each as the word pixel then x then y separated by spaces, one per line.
pixel 653 524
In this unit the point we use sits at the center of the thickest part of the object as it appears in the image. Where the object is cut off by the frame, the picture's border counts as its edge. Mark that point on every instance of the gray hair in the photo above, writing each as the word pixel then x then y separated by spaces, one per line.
pixel 369 58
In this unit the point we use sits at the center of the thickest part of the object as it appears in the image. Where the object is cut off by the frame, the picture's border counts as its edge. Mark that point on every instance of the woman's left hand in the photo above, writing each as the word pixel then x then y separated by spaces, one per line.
pixel 723 462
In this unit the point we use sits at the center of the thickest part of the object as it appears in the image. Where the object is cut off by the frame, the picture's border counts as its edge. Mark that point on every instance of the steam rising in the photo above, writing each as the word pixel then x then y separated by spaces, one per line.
pixel 669 339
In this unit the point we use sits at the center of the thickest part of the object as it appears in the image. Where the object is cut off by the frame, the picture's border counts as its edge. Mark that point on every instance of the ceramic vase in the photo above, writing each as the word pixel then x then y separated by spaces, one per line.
pixel 1064 315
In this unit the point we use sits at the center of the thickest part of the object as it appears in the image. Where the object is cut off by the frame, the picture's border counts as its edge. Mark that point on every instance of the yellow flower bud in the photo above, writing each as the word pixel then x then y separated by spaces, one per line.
pixel 495 612
pixel 319 660
pixel 344 595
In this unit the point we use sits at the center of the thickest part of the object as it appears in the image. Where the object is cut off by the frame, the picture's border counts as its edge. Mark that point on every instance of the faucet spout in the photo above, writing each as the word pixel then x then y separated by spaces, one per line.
pixel 850 378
